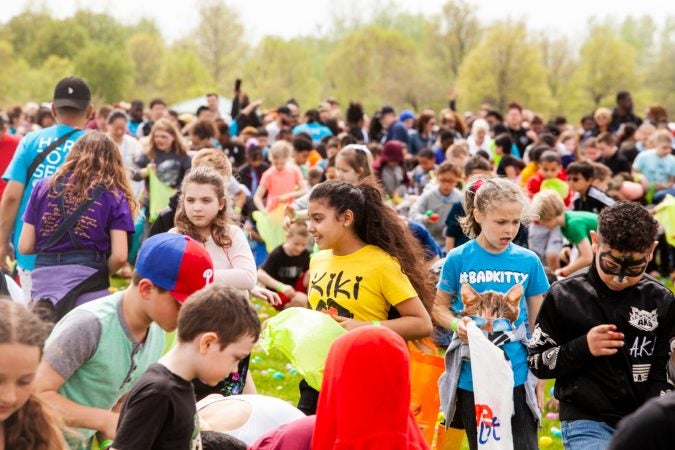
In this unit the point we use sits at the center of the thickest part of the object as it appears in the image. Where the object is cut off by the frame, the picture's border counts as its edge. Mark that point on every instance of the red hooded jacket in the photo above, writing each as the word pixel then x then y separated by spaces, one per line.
pixel 365 396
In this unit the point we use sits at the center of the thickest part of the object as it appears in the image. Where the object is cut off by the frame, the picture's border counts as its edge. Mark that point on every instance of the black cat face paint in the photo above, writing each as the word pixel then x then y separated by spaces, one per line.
pixel 625 266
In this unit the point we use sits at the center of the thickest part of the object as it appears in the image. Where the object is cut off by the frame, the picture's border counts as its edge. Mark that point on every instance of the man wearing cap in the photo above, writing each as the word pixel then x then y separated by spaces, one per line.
pixel 395 130
pixel 71 107
pixel 97 352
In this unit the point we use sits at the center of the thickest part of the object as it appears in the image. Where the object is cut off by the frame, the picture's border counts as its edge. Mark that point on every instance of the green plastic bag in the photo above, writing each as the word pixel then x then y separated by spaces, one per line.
pixel 665 214
pixel 304 337
pixel 270 227
pixel 160 194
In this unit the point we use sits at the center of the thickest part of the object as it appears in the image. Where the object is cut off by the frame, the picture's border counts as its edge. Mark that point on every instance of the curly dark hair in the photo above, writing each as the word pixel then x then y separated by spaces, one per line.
pixel 627 227
pixel 377 224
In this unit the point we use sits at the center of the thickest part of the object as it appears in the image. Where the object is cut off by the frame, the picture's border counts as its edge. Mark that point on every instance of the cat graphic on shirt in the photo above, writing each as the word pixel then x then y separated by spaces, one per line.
pixel 491 305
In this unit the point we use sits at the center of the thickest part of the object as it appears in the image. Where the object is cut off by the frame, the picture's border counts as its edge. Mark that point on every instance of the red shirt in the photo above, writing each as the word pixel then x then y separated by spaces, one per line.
pixel 533 186
pixel 8 144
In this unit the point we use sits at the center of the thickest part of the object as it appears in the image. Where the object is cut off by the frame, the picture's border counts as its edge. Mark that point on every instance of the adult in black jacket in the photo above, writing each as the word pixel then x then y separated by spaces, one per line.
pixel 605 335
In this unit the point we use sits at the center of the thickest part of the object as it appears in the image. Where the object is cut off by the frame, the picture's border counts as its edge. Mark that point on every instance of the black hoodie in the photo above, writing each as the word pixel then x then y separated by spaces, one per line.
pixel 604 388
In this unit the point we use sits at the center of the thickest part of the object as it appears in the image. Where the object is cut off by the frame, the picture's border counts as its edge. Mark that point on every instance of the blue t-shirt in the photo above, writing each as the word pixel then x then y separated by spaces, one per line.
pixel 485 271
pixel 28 149
pixel 316 130
pixel 657 169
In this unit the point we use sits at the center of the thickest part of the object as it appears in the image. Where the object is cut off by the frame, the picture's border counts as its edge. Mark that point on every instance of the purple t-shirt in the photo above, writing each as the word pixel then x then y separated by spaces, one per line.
pixel 92 229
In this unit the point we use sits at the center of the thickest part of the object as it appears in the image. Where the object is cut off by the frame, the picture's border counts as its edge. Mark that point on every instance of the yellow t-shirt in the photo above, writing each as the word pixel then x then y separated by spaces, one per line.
pixel 363 285
pixel 528 172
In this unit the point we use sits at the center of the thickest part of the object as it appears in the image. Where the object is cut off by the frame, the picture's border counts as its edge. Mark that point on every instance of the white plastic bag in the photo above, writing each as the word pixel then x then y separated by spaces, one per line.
pixel 493 391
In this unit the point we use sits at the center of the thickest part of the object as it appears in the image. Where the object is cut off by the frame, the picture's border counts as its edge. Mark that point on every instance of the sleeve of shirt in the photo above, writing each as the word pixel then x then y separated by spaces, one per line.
pixel 449 278
pixel 657 382
pixel 30 215
pixel 265 180
pixel 637 164
pixel 395 285
pixel 142 419
pixel 452 226
pixel 417 212
pixel 120 217
pixel 142 161
pixel 243 273
pixel 537 283
pixel 548 356
pixel 271 264
pixel 73 342
pixel 575 232
pixel 18 166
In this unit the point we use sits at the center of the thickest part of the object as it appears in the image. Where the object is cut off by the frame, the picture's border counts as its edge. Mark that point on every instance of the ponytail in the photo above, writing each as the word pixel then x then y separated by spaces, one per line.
pixel 484 192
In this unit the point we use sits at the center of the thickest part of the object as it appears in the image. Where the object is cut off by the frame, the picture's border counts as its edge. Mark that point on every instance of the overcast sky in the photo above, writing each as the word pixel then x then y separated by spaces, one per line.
pixel 288 18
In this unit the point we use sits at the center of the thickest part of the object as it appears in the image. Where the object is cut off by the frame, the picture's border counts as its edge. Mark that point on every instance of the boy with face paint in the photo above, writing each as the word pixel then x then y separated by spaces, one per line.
pixel 605 335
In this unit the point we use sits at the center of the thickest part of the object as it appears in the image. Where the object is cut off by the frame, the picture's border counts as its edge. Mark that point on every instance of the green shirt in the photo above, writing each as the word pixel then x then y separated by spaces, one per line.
pixel 94 351
pixel 578 225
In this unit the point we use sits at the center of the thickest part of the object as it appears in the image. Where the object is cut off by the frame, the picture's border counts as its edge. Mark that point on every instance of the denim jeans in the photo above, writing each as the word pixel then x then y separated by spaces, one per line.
pixel 523 423
pixel 585 434
pixel 89 258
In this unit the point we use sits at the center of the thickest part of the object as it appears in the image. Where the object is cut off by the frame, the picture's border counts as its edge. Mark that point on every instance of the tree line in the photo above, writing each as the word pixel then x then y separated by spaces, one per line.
pixel 393 57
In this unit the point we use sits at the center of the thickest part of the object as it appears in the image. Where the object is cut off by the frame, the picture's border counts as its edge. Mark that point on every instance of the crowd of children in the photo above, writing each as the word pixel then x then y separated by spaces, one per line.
pixel 547 231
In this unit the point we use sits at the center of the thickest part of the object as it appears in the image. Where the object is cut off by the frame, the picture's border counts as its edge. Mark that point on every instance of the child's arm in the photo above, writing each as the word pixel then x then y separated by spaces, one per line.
pixel 272 283
pixel 27 239
pixel 258 197
pixel 47 385
pixel 584 259
pixel 242 275
pixel 413 324
pixel 443 317
pixel 533 307
pixel 119 250
pixel 552 355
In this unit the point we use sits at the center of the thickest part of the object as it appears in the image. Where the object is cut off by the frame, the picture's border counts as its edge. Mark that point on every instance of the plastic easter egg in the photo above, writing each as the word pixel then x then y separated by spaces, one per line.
pixel 289 366
pixel 441 416
pixel 293 371
pixel 278 376
pixel 552 416
pixel 551 392
pixel 434 217
pixel 556 432
pixel 429 213
pixel 264 316
pixel 545 441
pixel 264 373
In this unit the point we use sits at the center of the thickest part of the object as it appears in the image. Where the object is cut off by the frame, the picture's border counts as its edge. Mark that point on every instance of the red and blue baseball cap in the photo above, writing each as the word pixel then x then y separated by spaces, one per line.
pixel 176 263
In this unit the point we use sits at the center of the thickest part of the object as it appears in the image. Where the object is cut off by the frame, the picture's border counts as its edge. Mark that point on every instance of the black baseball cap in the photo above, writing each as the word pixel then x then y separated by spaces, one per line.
pixel 72 92
pixel 386 109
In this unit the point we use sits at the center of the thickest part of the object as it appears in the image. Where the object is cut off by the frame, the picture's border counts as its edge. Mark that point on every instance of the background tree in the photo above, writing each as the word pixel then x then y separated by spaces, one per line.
pixel 456 31
pixel 606 66
pixel 219 41
pixel 504 66
pixel 110 76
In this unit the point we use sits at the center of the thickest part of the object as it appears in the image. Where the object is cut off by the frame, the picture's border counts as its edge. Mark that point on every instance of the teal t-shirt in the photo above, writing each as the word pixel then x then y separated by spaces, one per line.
pixel 30 146
pixel 578 225
pixel 485 271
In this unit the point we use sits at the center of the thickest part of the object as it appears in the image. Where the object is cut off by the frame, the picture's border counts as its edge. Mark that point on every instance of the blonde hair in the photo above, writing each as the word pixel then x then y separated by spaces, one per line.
pixel 281 149
pixel 548 205
pixel 214 158
pixel 93 160
pixel 179 145
pixel 662 137
pixel 485 192
pixel 602 111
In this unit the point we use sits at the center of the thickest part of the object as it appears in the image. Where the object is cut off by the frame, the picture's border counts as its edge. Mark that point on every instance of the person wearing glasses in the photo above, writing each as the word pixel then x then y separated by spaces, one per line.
pixel 586 197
